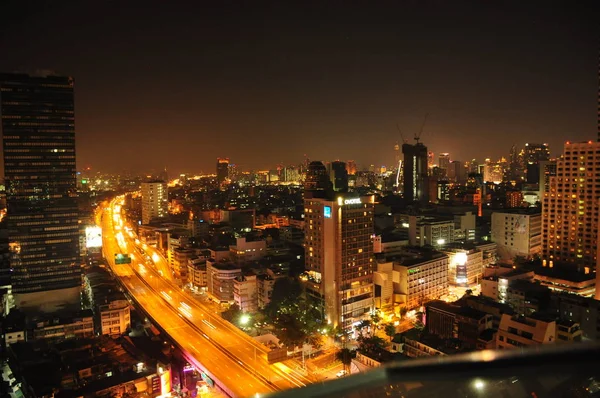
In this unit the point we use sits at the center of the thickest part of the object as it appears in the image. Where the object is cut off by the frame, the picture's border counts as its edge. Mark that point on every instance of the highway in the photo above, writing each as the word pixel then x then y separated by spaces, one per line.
pixel 233 359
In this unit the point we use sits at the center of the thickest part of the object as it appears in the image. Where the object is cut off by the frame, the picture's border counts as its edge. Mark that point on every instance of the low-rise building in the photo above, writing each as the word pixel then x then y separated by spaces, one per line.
pixel 103 293
pixel 429 230
pixel 418 275
pixel 567 279
pixel 197 276
pixel 220 279
pixel 487 305
pixel 61 326
pixel 247 250
pixel 177 238
pixel 495 287
pixel 115 317
pixel 520 331
pixel 489 253
pixel 452 321
pixel 584 311
pixel 245 292
pixel 181 257
pixel 465 264
pixel 264 286
pixel 568 332
pixel 526 297
pixel 99 367
pixel 383 279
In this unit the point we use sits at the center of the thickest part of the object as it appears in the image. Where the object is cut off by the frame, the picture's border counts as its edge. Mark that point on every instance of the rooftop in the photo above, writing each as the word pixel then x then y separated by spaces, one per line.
pixel 411 256
pixel 453 308
pixel 566 272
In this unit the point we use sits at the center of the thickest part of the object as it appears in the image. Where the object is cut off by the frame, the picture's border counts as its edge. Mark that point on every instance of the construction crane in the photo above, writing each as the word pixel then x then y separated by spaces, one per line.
pixel 401 136
pixel 418 136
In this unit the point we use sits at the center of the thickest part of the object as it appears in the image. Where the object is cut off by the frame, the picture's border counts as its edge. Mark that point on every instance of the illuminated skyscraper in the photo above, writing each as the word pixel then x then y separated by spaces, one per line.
pixel 514 167
pixel 444 161
pixel 222 170
pixel 430 159
pixel 155 200
pixel 570 206
pixel 416 185
pixel 38 133
pixel 339 257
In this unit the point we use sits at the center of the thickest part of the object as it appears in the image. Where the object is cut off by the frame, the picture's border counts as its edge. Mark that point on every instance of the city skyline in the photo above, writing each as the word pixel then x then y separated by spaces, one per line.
pixel 204 83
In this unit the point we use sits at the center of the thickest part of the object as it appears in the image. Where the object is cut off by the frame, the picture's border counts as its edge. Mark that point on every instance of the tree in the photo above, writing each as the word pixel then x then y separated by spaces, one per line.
pixel 232 314
pixel 316 340
pixel 362 325
pixel 371 345
pixel 375 318
pixel 390 330
pixel 419 323
pixel 289 330
pixel 294 314
pixel 403 311
pixel 345 357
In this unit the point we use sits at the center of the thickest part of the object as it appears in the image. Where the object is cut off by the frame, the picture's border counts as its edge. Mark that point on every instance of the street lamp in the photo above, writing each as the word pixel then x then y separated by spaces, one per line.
pixel 244 319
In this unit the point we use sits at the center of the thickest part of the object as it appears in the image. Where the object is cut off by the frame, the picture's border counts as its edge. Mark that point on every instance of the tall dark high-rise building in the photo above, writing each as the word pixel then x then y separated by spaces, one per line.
pixel 222 169
pixel 514 168
pixel 38 134
pixel 317 183
pixel 534 154
pixel 416 185
pixel 338 176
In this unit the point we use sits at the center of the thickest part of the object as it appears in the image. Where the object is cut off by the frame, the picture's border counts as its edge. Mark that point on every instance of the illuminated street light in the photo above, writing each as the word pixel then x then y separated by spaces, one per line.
pixel 244 319
pixel 479 384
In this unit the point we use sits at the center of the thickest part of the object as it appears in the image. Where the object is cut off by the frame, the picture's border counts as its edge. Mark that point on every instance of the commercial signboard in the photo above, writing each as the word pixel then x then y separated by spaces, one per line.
pixel 93 236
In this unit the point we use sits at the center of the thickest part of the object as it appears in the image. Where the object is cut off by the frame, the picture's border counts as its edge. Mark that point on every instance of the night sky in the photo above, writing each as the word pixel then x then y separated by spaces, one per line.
pixel 176 85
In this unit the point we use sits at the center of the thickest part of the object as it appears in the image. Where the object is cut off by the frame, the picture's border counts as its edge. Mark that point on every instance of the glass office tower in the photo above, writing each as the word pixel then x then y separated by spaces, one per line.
pixel 38 134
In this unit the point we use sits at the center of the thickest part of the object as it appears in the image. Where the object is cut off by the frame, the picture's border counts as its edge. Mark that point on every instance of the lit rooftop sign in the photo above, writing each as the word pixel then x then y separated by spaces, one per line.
pixel 354 201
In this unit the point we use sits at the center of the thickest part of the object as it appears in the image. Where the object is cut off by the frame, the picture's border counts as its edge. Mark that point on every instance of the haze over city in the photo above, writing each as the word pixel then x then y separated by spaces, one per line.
pixel 311 199
pixel 267 83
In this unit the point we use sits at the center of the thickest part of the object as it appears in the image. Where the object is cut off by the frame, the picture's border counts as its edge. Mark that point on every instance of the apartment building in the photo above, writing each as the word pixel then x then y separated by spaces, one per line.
pixel 115 317
pixel 570 206
pixel 245 292
pixel 519 331
pixel 220 278
pixel 517 233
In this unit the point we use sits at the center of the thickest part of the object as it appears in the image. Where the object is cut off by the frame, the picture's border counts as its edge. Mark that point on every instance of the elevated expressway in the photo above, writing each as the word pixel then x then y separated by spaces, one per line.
pixel 233 360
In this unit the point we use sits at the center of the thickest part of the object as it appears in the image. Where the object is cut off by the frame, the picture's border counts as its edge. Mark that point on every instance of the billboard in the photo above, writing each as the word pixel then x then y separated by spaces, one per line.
pixel 277 355
pixel 93 236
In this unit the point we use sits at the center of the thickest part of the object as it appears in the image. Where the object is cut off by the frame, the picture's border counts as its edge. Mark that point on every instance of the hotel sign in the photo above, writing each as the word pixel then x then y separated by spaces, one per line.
pixel 354 201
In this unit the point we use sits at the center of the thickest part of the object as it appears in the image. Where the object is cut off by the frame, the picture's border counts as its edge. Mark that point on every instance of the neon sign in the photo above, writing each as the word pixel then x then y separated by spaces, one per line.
pixel 355 201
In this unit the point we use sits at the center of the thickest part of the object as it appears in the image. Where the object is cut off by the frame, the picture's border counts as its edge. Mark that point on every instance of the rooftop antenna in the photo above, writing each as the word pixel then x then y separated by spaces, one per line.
pixel 418 136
